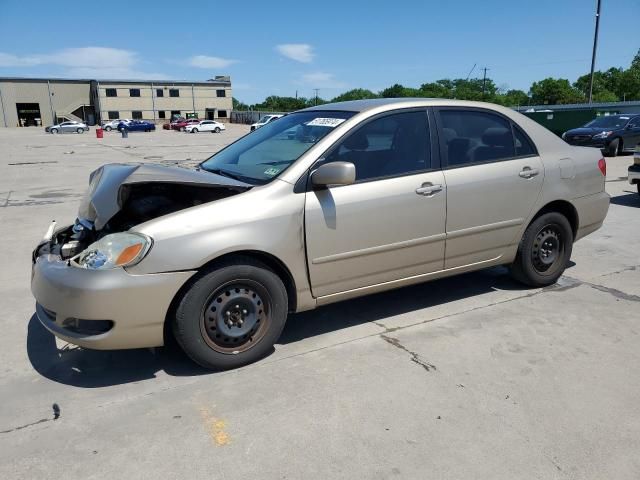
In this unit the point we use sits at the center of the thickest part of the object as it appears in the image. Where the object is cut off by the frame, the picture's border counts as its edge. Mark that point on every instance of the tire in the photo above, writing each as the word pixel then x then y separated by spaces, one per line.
pixel 80 130
pixel 638 185
pixel 544 251
pixel 54 131
pixel 612 148
pixel 231 315
pixel 194 130
pixel 217 130
pixel 182 129
pixel 107 129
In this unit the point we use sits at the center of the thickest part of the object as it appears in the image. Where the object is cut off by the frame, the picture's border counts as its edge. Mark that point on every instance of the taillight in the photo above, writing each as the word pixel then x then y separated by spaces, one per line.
pixel 602 165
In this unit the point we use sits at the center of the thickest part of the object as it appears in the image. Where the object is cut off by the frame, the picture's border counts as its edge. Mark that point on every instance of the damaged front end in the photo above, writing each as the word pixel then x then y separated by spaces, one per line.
pixel 121 196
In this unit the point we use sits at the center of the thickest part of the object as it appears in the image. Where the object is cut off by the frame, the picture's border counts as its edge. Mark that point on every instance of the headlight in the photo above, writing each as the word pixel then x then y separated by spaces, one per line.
pixel 113 251
pixel 602 134
pixel 564 135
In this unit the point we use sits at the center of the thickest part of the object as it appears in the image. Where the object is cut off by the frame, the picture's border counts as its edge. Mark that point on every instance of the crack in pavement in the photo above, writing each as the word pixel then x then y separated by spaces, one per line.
pixel 56 416
pixel 415 358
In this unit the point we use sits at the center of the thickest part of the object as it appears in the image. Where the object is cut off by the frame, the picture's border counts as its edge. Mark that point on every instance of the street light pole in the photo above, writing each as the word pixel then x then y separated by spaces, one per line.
pixel 593 56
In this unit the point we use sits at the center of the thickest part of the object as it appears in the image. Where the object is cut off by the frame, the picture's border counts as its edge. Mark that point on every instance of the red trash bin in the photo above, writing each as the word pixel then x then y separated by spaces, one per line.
pixel 99 133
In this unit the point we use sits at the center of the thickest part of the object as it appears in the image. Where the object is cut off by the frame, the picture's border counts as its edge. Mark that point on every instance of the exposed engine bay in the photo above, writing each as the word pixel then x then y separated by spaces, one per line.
pixel 123 196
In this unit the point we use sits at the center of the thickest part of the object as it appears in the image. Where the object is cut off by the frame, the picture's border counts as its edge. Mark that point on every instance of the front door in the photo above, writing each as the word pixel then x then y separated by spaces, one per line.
pixel 494 177
pixel 390 224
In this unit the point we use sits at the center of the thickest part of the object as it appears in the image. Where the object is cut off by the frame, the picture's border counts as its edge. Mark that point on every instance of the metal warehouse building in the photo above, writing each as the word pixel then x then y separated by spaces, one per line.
pixel 42 101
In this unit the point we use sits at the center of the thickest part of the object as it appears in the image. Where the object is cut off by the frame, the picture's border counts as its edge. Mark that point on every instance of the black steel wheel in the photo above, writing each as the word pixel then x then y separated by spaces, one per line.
pixel 544 251
pixel 231 315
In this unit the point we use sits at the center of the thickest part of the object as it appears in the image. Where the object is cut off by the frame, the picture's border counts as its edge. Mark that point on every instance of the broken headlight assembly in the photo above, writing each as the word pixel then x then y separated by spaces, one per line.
pixel 113 251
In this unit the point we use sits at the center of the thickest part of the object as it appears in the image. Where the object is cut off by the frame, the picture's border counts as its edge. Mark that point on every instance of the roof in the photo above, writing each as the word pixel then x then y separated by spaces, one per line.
pixel 226 81
pixel 368 104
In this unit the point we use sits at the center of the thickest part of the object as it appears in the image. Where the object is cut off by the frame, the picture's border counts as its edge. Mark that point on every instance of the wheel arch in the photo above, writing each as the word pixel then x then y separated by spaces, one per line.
pixel 564 207
pixel 271 261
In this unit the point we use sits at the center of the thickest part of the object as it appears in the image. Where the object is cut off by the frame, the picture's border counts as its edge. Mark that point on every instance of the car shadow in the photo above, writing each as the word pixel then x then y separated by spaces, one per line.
pixel 629 199
pixel 84 368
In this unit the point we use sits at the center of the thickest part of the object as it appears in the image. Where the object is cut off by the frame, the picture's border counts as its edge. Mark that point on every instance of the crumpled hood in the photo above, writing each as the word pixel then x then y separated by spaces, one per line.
pixel 103 199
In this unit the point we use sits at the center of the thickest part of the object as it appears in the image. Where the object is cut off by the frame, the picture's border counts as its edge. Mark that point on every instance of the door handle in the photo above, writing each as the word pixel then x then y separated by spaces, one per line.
pixel 428 189
pixel 528 172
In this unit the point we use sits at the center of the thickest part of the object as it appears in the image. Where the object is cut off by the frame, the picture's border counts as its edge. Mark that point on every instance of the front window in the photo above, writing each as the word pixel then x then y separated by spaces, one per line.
pixel 608 122
pixel 264 154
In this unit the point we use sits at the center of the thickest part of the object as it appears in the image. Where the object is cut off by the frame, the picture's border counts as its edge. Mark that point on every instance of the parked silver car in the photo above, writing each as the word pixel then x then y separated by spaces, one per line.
pixel 67 127
pixel 370 195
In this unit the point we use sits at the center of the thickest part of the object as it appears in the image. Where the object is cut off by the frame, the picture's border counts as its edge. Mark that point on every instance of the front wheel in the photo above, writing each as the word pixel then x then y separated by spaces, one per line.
pixel 612 148
pixel 217 130
pixel 107 129
pixel 54 131
pixel 544 251
pixel 231 315
pixel 80 130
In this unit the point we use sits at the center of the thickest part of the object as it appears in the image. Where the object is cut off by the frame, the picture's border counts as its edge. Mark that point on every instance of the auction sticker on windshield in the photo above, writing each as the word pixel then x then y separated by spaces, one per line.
pixel 325 122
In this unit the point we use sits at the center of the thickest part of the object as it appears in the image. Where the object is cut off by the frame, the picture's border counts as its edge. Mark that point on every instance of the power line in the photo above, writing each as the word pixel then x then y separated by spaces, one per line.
pixel 470 71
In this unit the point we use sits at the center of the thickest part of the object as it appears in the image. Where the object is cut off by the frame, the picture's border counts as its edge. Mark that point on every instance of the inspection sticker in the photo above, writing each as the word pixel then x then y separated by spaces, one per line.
pixel 325 122
pixel 271 171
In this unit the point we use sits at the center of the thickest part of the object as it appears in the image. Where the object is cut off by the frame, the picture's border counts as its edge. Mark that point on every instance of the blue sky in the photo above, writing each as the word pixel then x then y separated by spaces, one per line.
pixel 279 47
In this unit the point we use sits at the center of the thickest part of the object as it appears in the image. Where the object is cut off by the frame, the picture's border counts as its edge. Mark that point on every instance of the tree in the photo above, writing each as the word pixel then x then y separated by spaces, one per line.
pixel 394 91
pixel 355 94
pixel 238 105
pixel 512 98
pixel 554 91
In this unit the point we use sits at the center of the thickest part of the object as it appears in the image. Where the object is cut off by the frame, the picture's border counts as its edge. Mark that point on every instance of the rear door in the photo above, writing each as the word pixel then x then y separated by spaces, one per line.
pixel 494 177
pixel 390 223
pixel 633 134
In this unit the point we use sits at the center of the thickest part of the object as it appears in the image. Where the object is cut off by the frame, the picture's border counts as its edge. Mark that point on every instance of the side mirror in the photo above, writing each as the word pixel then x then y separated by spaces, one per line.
pixel 334 173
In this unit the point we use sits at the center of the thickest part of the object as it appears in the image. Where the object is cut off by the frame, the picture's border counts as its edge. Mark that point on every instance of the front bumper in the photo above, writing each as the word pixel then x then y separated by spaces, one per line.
pixel 634 174
pixel 128 311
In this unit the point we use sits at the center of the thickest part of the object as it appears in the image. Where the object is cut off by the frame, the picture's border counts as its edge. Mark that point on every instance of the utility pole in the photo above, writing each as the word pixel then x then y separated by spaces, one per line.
pixel 484 80
pixel 316 90
pixel 296 94
pixel 593 55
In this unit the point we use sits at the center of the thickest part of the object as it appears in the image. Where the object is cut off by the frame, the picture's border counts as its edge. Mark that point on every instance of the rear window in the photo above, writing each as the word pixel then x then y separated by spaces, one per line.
pixel 524 147
pixel 473 136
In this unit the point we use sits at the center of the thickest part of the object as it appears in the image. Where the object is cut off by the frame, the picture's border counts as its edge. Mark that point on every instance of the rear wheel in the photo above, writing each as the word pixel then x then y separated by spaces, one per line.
pixel 612 148
pixel 544 251
pixel 231 315
pixel 195 130
pixel 182 129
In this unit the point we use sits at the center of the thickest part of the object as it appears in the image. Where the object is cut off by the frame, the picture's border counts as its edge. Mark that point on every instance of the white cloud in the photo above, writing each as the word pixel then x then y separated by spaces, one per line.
pixel 204 61
pixel 300 52
pixel 322 80
pixel 95 62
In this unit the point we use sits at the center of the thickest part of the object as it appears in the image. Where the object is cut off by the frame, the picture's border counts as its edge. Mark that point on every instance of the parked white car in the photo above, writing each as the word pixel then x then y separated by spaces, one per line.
pixel 205 126
pixel 264 120
pixel 113 124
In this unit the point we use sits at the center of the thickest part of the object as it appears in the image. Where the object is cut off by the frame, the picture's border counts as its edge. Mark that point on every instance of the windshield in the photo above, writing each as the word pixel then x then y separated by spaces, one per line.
pixel 608 122
pixel 265 153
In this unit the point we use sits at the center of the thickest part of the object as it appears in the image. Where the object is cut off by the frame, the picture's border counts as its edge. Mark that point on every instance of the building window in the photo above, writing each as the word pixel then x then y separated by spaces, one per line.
pixel 136 115
pixel 175 114
pixel 134 92
pixel 111 92
pixel 221 93
pixel 162 114
pixel 222 114
pixel 114 115
pixel 159 92
pixel 174 92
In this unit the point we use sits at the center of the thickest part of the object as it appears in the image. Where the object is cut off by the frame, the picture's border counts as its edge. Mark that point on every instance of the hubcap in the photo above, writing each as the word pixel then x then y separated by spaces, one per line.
pixel 236 317
pixel 547 248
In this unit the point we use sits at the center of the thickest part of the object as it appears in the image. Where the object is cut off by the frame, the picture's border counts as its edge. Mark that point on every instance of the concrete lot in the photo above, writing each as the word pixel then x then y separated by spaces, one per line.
pixel 469 377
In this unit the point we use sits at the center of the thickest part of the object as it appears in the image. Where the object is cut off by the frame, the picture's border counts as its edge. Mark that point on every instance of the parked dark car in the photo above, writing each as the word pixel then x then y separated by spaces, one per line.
pixel 137 126
pixel 613 134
